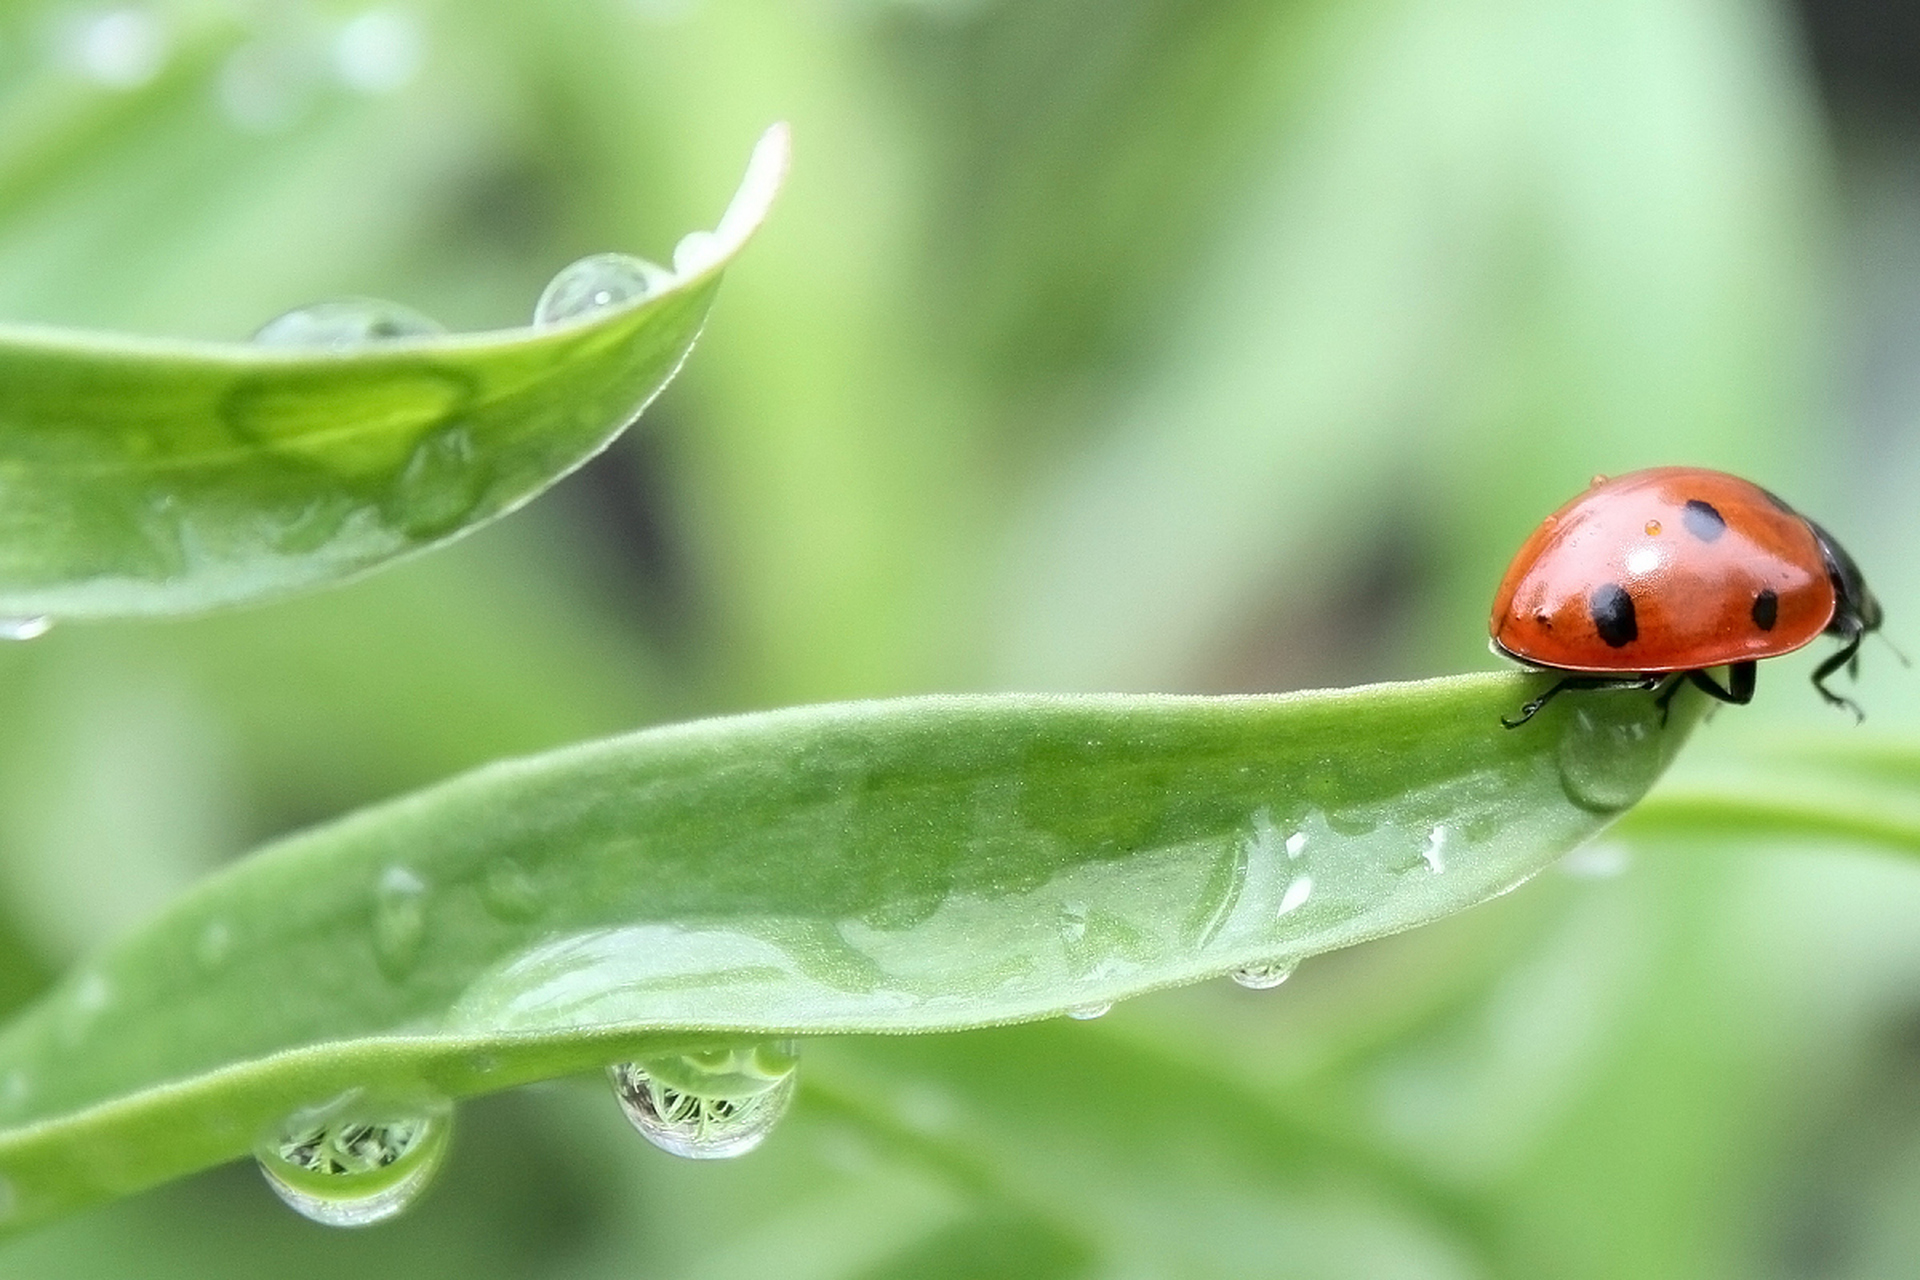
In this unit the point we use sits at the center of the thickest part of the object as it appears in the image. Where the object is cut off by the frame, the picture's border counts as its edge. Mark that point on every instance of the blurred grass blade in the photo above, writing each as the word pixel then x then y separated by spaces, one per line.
pixel 149 477
pixel 919 865
pixel 1844 791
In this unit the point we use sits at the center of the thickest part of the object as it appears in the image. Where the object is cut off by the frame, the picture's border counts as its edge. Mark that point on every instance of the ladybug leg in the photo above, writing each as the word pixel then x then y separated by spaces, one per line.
pixel 1740 682
pixel 1664 699
pixel 1847 657
pixel 1738 690
pixel 1741 676
pixel 1581 682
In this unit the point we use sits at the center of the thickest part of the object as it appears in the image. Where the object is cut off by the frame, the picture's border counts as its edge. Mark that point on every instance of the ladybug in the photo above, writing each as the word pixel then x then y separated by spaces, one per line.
pixel 1650 578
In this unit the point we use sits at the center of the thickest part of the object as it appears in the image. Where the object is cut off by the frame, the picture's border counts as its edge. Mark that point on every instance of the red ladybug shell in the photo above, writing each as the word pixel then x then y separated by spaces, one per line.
pixel 1671 569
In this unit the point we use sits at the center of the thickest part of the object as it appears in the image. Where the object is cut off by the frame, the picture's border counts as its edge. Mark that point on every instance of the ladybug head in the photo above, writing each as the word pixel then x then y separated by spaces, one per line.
pixel 1855 610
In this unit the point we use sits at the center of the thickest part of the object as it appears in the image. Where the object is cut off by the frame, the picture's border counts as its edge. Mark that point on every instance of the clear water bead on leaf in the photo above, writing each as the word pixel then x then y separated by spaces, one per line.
pixel 25 628
pixel 1088 1012
pixel 596 283
pixel 399 920
pixel 708 1106
pixel 346 325
pixel 443 480
pixel 356 1160
pixel 1262 976
pixel 1608 752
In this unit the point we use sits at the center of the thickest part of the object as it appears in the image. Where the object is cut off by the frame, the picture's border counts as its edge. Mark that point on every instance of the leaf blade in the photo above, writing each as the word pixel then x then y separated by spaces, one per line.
pixel 142 477
pixel 917 865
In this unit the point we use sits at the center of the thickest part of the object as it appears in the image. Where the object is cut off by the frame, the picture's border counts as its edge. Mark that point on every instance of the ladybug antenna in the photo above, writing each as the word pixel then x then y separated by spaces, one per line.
pixel 1896 649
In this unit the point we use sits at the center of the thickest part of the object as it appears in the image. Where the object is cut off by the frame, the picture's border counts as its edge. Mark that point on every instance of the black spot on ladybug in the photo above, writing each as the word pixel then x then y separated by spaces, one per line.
pixel 1702 520
pixel 1766 609
pixel 1612 610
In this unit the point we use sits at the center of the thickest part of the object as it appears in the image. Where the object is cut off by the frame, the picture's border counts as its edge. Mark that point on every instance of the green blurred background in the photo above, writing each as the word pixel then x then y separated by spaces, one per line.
pixel 1095 344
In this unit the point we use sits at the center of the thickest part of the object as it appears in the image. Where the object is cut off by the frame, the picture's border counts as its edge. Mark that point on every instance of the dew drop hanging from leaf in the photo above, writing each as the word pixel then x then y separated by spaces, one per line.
pixel 1263 975
pixel 708 1106
pixel 356 1160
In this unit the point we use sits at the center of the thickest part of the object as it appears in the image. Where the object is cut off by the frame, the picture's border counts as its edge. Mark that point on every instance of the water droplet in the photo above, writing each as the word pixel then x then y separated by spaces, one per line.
pixel 508 891
pixel 1435 854
pixel 697 251
pixel 1264 975
pixel 1220 896
pixel 379 51
pixel 1609 751
pixel 29 628
pixel 1299 889
pixel 356 1160
pixel 214 945
pixel 597 283
pixel 441 484
pixel 1653 528
pixel 708 1106
pixel 119 48
pixel 1088 1012
pixel 1073 922
pixel 399 921
pixel 310 526
pixel 346 324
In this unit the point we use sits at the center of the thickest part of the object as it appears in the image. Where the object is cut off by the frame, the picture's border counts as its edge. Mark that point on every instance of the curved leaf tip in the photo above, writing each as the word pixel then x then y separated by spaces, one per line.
pixel 141 477
pixel 703 251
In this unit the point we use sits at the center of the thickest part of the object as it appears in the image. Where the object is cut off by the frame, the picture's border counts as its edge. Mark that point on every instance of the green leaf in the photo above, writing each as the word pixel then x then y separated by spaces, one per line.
pixel 154 477
pixel 917 865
